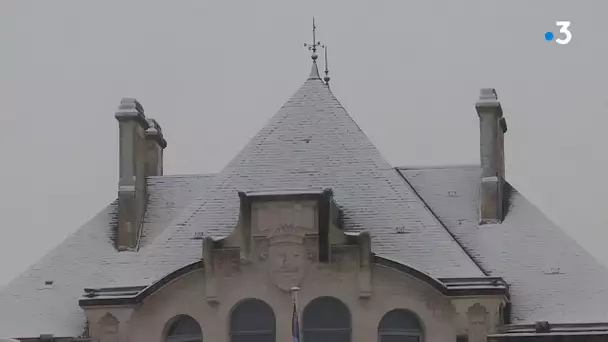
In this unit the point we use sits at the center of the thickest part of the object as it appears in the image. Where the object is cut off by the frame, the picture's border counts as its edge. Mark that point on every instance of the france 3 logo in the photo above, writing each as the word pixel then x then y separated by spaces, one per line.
pixel 564 28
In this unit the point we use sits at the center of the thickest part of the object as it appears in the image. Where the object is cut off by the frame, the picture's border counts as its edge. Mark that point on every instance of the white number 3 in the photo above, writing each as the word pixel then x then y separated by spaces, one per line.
pixel 564 29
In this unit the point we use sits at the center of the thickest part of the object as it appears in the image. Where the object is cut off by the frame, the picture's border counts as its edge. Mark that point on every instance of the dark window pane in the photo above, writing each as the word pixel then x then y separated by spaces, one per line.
pixel 252 315
pixel 253 338
pixel 399 338
pixel 326 336
pixel 326 313
pixel 399 320
pixel 252 321
pixel 185 325
pixel 184 338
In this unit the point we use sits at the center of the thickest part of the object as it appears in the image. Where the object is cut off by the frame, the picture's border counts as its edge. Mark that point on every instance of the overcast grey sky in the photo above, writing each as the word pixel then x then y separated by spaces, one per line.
pixel 213 72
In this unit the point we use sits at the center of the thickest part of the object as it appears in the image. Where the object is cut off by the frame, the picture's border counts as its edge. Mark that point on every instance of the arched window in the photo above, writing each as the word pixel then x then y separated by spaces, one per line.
pixel 252 320
pixel 326 319
pixel 400 326
pixel 184 329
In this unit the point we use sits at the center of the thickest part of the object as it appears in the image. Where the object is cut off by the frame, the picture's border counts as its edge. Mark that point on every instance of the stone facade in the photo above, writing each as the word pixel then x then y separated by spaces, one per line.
pixel 391 290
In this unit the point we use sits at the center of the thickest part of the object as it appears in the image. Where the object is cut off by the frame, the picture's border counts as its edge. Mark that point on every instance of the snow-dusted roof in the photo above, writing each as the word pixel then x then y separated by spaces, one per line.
pixel 551 277
pixel 312 143
pixel 88 258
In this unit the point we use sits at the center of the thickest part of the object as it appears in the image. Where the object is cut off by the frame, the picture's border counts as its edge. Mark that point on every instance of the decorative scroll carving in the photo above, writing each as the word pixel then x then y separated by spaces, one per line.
pixel 267 218
pixel 261 245
pixel 227 261
pixel 311 242
pixel 287 229
pixel 477 315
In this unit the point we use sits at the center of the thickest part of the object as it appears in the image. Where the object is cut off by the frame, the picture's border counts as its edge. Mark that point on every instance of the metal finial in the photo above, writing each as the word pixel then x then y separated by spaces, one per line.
pixel 326 78
pixel 313 47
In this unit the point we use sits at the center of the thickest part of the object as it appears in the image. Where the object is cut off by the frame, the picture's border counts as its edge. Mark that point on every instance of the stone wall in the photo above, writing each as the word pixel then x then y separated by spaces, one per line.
pixel 391 290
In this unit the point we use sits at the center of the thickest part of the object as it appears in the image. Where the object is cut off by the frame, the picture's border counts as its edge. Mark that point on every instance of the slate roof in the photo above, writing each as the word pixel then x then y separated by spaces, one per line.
pixel 87 258
pixel 313 143
pixel 551 277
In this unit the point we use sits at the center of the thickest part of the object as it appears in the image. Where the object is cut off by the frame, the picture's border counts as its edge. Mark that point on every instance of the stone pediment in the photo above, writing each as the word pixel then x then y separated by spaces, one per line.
pixel 286 233
pixel 280 214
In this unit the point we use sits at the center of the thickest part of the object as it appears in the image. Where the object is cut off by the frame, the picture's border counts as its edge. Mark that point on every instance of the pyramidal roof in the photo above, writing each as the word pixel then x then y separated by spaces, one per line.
pixel 312 143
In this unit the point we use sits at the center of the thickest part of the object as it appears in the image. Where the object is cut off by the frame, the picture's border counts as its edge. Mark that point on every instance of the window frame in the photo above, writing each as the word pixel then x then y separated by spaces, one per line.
pixel 402 332
pixel 348 330
pixel 234 309
pixel 183 337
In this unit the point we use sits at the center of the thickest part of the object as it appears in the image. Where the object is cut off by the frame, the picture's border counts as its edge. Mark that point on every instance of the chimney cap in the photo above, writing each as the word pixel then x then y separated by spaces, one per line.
pixel 488 94
pixel 154 132
pixel 488 99
pixel 130 104
pixel 131 109
pixel 154 126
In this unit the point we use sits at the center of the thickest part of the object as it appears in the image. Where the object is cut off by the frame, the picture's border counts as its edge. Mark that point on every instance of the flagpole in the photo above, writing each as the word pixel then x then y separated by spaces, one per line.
pixel 294 296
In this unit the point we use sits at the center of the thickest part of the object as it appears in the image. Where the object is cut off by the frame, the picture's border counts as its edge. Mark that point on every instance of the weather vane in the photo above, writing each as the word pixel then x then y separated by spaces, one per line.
pixel 313 47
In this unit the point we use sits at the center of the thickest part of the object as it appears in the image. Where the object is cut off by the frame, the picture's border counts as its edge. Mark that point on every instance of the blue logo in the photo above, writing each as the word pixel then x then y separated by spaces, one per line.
pixel 548 35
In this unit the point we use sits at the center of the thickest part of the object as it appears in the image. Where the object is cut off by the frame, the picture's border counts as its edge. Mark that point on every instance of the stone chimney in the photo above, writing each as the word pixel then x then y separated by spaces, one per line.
pixel 141 155
pixel 155 144
pixel 492 127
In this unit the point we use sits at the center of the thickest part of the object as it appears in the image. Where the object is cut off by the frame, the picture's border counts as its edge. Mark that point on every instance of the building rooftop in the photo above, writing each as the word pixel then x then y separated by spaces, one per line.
pixel 426 218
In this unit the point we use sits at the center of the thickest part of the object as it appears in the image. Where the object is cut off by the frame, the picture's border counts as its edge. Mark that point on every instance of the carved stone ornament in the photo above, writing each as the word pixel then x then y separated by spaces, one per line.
pixel 477 323
pixel 109 328
pixel 312 246
pixel 288 257
pixel 227 261
pixel 262 248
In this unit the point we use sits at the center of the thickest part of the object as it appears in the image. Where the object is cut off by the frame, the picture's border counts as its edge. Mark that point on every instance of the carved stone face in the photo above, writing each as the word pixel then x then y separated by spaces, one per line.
pixel 288 263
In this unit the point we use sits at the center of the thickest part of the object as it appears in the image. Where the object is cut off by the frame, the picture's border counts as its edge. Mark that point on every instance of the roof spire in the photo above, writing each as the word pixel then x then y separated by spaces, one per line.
pixel 314 73
pixel 326 78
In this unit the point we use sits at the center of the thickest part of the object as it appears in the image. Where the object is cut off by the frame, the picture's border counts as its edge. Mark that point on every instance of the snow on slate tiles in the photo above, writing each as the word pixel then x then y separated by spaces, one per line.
pixel 312 143
pixel 164 203
pixel 551 277
pixel 87 258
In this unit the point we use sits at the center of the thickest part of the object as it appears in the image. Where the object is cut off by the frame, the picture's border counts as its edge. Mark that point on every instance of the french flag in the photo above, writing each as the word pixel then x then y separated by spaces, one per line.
pixel 295 325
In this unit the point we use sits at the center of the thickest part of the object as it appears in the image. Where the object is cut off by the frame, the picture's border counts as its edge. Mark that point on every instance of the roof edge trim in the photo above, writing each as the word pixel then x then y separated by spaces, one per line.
pixel 449 287
pixel 452 287
pixel 398 266
pixel 97 299
pixel 523 328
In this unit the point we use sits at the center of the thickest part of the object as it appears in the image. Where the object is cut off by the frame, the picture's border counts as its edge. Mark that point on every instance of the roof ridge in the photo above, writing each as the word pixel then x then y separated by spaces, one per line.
pixel 430 210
